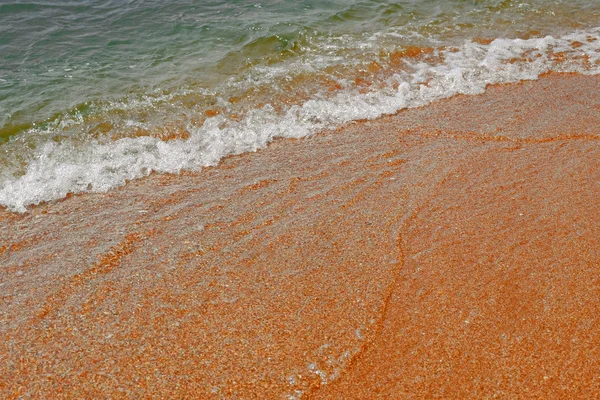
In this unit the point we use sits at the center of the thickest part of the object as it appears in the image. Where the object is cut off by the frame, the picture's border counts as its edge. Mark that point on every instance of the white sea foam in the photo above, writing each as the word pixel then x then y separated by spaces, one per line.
pixel 58 168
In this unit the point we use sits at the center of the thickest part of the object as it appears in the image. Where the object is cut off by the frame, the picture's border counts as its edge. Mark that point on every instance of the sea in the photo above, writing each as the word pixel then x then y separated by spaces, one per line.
pixel 96 93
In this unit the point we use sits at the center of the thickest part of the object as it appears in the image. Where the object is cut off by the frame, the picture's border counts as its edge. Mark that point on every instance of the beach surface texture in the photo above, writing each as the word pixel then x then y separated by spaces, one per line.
pixel 448 251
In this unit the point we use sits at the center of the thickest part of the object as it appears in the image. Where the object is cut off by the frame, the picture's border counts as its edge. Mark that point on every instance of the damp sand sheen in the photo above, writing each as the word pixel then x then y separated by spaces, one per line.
pixel 402 259
pixel 423 223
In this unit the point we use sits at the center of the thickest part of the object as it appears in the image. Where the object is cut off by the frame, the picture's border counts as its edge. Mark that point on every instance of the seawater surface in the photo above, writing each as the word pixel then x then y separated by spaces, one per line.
pixel 95 93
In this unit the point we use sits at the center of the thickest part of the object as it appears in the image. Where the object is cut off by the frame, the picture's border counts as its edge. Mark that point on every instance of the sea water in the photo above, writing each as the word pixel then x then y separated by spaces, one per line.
pixel 95 93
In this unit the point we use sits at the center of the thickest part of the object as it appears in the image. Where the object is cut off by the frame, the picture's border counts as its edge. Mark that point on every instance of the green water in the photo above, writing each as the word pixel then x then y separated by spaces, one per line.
pixel 57 57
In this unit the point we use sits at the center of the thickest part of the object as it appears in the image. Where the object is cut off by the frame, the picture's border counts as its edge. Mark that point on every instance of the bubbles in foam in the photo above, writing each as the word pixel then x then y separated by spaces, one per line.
pixel 58 168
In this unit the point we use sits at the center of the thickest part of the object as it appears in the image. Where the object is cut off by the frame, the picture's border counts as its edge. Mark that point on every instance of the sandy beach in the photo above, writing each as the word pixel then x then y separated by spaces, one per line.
pixel 449 251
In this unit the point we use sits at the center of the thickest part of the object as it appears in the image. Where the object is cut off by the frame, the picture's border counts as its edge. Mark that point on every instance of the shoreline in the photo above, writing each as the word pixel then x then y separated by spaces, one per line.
pixel 342 265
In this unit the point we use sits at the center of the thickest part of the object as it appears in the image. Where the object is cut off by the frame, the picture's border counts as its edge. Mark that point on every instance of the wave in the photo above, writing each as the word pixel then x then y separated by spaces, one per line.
pixel 410 78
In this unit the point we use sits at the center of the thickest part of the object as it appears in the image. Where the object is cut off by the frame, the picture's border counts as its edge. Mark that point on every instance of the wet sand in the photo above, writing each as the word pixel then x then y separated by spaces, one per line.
pixel 449 251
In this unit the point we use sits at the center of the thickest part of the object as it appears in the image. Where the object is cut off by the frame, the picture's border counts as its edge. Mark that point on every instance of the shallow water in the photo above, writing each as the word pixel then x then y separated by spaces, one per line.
pixel 93 94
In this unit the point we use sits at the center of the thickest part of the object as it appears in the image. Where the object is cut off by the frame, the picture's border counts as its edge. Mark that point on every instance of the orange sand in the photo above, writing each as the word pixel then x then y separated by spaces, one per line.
pixel 449 251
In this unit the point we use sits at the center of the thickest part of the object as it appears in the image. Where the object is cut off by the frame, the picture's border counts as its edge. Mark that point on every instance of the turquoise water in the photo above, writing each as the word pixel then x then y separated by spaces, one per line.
pixel 95 93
